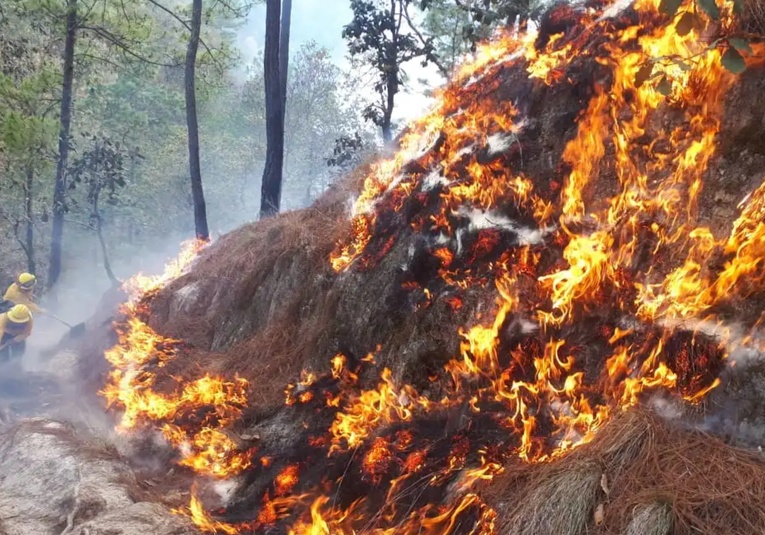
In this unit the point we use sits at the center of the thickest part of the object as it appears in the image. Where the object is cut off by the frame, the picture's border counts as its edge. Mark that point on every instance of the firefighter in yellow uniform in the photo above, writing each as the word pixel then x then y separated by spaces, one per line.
pixel 15 328
pixel 20 292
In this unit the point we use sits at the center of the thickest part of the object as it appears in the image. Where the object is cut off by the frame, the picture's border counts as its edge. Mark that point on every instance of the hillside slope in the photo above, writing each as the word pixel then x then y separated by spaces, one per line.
pixel 554 246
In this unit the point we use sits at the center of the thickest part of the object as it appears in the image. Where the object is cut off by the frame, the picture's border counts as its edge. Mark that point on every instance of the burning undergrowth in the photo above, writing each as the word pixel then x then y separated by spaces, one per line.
pixel 529 265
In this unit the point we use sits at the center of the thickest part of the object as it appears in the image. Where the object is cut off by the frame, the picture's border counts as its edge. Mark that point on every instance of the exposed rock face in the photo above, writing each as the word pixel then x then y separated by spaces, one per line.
pixel 55 480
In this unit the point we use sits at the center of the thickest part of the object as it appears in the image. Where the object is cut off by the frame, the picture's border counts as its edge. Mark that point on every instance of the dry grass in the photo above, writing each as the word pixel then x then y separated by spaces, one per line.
pixel 277 353
pixel 267 277
pixel 752 19
pixel 94 448
pixel 559 500
pixel 660 479
pixel 651 519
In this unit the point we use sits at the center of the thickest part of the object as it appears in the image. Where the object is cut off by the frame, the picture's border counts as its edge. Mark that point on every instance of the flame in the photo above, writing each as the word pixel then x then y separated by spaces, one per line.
pixel 286 480
pixel 203 521
pixel 551 403
pixel 372 409
pixel 192 414
pixel 598 297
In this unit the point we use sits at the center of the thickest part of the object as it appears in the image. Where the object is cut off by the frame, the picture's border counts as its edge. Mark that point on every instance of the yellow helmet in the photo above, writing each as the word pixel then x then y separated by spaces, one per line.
pixel 27 281
pixel 19 314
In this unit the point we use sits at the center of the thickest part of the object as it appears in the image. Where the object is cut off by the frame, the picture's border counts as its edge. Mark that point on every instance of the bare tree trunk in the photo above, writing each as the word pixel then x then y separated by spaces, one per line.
pixel 391 77
pixel 59 191
pixel 271 188
pixel 392 89
pixel 197 192
pixel 284 51
pixel 28 216
pixel 107 265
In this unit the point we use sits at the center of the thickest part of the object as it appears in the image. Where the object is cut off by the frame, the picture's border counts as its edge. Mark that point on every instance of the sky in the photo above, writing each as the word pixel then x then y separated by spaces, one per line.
pixel 322 21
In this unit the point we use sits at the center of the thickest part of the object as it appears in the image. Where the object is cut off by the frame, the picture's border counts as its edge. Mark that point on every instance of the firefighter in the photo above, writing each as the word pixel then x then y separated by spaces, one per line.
pixel 15 328
pixel 20 292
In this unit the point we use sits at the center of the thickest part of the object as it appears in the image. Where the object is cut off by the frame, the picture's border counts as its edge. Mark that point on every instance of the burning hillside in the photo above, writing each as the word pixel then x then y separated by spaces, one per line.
pixel 543 252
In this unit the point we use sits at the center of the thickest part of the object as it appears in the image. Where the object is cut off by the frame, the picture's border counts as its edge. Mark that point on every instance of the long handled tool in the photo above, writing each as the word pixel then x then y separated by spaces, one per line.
pixel 74 330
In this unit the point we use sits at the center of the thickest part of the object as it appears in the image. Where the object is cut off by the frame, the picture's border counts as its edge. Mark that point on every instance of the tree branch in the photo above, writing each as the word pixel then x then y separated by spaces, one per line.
pixel 15 226
pixel 432 57
pixel 118 42
pixel 186 25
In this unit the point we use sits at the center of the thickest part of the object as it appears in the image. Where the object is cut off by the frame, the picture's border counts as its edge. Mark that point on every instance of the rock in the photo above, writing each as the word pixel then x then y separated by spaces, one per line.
pixel 55 480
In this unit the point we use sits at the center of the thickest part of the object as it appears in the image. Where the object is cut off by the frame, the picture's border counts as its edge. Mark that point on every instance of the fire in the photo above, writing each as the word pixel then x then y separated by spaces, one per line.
pixel 191 414
pixel 374 408
pixel 286 480
pixel 599 273
pixel 551 402
pixel 204 522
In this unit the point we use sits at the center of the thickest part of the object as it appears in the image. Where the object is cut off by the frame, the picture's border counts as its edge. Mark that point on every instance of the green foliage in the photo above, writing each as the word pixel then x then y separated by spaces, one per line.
pixel 710 8
pixel 733 61
pixel 384 35
pixel 129 90
pixel 664 86
pixel 100 168
pixel 451 30
pixel 670 7
pixel 686 23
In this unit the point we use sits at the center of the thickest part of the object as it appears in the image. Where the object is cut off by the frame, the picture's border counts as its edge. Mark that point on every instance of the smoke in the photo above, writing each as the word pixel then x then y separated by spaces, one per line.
pixel 45 382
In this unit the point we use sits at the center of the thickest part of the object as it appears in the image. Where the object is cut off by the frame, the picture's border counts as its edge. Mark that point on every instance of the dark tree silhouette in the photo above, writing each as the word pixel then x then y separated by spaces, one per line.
pixel 197 192
pixel 65 122
pixel 276 67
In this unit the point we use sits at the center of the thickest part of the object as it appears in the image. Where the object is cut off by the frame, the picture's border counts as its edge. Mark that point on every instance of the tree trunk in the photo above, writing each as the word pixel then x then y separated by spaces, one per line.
pixel 197 193
pixel 99 232
pixel 28 215
pixel 284 51
pixel 59 191
pixel 391 80
pixel 392 89
pixel 271 187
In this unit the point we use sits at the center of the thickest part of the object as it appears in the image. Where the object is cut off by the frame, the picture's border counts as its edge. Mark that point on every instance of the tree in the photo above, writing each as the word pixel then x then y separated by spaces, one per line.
pixel 101 169
pixel 284 50
pixel 450 28
pixel 384 35
pixel 65 118
pixel 486 15
pixel 324 103
pixel 197 192
pixel 275 67
pixel 28 81
pixel 100 23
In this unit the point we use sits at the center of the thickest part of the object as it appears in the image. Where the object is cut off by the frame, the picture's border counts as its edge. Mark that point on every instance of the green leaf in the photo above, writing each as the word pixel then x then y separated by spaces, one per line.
pixel 670 7
pixel 738 7
pixel 710 8
pixel 664 87
pixel 685 24
pixel 742 45
pixel 644 73
pixel 733 61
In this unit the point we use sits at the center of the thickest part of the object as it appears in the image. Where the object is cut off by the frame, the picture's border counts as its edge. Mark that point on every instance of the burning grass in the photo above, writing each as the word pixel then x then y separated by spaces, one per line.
pixel 510 284
pixel 271 330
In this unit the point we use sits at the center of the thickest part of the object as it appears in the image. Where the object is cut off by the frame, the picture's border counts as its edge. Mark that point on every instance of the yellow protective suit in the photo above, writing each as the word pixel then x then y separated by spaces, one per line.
pixel 19 296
